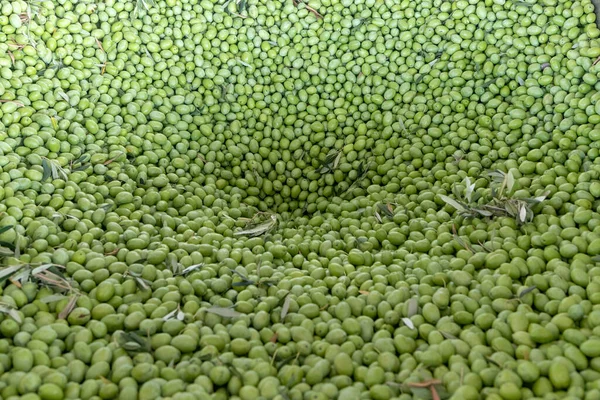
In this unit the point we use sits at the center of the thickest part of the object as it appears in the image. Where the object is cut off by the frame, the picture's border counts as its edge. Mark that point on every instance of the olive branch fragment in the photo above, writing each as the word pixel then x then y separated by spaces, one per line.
pixel 176 313
pixel 259 229
pixel 133 342
pixel 53 169
pixel 247 281
pixel 362 173
pixel 501 202
pixel 47 275
pixel 142 283
pixel 331 161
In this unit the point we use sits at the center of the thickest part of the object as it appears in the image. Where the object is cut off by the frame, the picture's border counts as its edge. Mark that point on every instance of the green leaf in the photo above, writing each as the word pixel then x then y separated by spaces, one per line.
pixel 69 307
pixel 259 229
pixel 7 272
pixel 223 312
pixel 47 170
pixel 286 307
pixel 453 203
pixel 17 248
pixel 483 212
pixel 6 228
pixel 53 298
pixel 527 290
pixel 11 311
pixel 191 268
pixel 82 167
pixel 5 250
pixel 510 181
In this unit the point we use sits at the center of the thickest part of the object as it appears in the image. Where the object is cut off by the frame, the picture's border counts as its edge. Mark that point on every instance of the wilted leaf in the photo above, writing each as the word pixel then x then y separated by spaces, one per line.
pixel 452 202
pixel 223 312
pixel 6 228
pixel 365 292
pixel 386 209
pixel 69 307
pixel 286 307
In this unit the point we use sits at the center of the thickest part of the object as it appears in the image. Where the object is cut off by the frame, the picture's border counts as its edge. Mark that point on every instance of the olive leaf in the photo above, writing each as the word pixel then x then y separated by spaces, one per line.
pixel 458 206
pixel 286 307
pixel 131 341
pixel 10 311
pixel 69 307
pixel 408 323
pixel 191 268
pixel 413 307
pixel 527 291
pixel 6 249
pixel 53 298
pixel 7 272
pixel 223 312
pixel 469 190
pixel 170 315
pixel 259 229
pixel 17 248
pixel 386 209
pixel 64 96
pixel 6 228
pixel 245 64
pixel 142 283
pixel 47 170
pixel 448 335
pixel 378 217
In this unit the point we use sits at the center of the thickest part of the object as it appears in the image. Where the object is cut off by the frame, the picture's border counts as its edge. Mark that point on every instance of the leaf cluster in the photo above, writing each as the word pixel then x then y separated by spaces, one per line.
pixel 500 202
